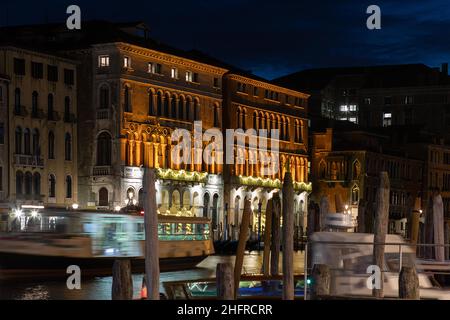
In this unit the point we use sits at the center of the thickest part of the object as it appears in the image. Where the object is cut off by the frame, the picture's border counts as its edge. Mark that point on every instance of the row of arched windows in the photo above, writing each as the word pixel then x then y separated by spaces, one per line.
pixel 28 184
pixel 162 104
pixel 262 120
pixel 173 106
pixel 27 142
pixel 35 105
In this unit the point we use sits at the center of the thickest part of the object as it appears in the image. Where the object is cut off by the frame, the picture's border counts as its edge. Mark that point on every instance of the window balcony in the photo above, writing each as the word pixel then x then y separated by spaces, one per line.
pixel 38 114
pixel 103 114
pixel 69 118
pixel 20 111
pixel 101 171
pixel 29 161
pixel 53 116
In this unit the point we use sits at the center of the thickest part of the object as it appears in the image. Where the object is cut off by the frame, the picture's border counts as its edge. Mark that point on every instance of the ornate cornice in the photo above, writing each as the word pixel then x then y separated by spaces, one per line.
pixel 267 85
pixel 170 59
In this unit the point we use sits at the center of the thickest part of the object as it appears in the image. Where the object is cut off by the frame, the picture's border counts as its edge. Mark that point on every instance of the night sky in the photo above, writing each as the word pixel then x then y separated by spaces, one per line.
pixel 272 38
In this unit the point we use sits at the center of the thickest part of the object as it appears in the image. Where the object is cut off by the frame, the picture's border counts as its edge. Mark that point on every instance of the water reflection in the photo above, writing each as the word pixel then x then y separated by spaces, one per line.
pixel 100 288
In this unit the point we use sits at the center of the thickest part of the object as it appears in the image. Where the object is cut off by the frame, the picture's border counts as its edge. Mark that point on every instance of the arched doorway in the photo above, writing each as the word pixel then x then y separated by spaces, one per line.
pixel 175 201
pixel 215 211
pixel 103 197
pixel 206 205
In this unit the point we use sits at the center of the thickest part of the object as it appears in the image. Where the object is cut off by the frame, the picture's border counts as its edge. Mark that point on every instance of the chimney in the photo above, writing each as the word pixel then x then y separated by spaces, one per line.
pixel 445 69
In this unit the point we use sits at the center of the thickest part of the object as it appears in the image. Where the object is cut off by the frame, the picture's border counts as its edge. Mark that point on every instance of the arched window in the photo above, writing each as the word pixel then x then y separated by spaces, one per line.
pixel 243 115
pixel 17 102
pixel 238 118
pixel 50 113
pixel 173 103
pixel 19 183
pixel 216 116
pixel 187 114
pixel 34 103
pixel 67 109
pixel 51 145
pixel 18 140
pixel 206 205
pixel 69 187
pixel 196 110
pixel 131 194
pixel 255 120
pixel 151 110
pixel 27 141
pixel 104 149
pixel 68 147
pixel 180 108
pixel 37 185
pixel 355 195
pixel 104 97
pixel 103 197
pixel 288 129
pixel 127 99
pixel 159 105
pixel 36 144
pixel 28 183
pixel 166 105
pixel 52 186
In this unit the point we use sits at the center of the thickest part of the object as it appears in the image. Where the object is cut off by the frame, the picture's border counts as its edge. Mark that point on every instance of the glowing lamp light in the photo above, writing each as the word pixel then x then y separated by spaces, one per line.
pixel 346 207
pixel 34 213
pixel 117 208
pixel 130 195
pixel 142 212
pixel 18 213
pixel 134 201
pixel 75 206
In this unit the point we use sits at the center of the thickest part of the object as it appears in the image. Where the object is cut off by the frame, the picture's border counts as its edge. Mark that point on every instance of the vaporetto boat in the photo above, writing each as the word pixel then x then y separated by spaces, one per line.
pixel 55 239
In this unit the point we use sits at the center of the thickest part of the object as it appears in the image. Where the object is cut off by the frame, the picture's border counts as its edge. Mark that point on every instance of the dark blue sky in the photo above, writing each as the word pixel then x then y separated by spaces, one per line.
pixel 273 38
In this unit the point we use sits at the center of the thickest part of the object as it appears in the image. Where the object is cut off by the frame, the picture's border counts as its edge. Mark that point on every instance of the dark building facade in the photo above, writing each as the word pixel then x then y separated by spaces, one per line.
pixel 379 96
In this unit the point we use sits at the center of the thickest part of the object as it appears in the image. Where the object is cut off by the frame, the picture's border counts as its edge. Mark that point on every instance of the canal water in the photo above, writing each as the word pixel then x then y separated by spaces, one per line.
pixel 100 288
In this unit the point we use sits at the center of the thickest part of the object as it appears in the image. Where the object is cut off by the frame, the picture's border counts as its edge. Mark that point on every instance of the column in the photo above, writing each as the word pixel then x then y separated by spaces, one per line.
pixel 132 146
pixel 123 150
pixel 155 155
pixel 138 160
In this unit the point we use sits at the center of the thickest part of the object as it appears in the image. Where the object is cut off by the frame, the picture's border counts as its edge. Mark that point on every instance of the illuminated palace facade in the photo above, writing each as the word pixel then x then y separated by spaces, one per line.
pixel 254 103
pixel 133 92
pixel 138 97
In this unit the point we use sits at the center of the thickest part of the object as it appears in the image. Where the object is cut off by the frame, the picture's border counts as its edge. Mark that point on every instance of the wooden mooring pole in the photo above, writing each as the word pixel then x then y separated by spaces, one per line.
pixel 381 226
pixel 275 243
pixel 225 281
pixel 408 286
pixel 243 236
pixel 321 281
pixel 288 237
pixel 151 236
pixel 122 284
pixel 267 238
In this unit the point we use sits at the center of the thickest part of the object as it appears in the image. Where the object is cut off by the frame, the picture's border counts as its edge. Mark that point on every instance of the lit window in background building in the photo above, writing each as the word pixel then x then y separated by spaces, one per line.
pixel 353 107
pixel 344 108
pixel 387 119
pixel 103 61
pixel 353 119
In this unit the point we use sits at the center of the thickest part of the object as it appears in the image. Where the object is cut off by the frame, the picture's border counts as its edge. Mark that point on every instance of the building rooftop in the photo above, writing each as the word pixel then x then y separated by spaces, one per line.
pixel 383 76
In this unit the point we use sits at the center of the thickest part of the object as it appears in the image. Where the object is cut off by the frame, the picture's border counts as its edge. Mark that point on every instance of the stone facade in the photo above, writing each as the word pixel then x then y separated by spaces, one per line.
pixel 42 130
